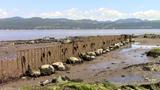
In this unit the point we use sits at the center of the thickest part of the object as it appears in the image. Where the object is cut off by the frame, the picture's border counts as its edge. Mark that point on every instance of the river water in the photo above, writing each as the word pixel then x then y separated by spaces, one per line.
pixel 34 34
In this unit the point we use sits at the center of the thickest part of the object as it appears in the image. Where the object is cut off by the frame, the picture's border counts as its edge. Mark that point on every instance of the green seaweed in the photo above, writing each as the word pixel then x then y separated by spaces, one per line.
pixel 75 86
pixel 156 50
pixel 94 86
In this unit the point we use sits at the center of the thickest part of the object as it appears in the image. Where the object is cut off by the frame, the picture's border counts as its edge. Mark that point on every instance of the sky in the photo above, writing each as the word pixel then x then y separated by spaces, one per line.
pixel 100 10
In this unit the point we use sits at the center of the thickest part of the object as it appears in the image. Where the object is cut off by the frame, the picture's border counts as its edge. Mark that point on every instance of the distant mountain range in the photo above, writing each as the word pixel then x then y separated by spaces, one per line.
pixel 61 23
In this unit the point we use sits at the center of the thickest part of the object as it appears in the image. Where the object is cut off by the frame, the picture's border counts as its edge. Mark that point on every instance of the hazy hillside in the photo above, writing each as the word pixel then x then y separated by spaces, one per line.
pixel 39 23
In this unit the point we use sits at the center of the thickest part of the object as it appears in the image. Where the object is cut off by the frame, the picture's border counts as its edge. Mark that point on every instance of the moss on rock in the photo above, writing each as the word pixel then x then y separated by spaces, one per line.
pixel 155 52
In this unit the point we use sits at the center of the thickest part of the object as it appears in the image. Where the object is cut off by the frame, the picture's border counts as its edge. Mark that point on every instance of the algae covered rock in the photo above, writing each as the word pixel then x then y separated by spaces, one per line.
pixel 32 73
pixel 117 45
pixel 91 53
pixel 35 73
pixel 61 79
pixel 152 86
pixel 92 57
pixel 87 57
pixel 67 41
pixel 47 69
pixel 59 66
pixel 155 52
pixel 74 60
pixel 99 52
pixel 107 50
pixel 155 68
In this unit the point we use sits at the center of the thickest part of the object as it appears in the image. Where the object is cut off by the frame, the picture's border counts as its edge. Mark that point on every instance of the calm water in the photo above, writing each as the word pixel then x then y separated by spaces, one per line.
pixel 33 34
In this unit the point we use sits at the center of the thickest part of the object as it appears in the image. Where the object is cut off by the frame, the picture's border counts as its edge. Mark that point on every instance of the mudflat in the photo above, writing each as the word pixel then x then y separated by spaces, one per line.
pixel 121 67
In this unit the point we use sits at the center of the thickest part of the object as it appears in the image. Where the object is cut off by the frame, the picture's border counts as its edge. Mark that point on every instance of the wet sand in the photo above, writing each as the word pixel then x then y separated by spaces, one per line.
pixel 108 67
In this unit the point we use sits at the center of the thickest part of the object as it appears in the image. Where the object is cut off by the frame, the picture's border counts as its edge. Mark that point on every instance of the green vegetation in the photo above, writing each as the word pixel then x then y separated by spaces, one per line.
pixel 156 50
pixel 40 23
pixel 141 87
pixel 97 86
pixel 74 86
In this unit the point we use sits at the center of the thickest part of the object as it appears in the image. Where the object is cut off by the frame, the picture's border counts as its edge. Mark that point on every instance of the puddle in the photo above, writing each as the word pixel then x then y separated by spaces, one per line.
pixel 155 75
pixel 130 79
pixel 134 79
pixel 134 54
pixel 137 45
pixel 106 64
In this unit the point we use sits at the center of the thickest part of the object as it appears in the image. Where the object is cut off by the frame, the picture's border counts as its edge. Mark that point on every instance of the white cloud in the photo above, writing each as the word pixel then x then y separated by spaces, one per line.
pixel 53 14
pixel 149 15
pixel 3 14
pixel 100 14
pixel 94 14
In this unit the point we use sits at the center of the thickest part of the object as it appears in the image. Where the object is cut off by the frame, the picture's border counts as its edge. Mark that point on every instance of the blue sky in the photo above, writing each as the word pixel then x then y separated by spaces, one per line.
pixel 81 9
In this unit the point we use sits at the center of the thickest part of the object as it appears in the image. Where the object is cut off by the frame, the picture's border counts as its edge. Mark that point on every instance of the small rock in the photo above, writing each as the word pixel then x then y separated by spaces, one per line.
pixel 35 73
pixel 62 79
pixel 108 67
pixel 43 83
pixel 73 60
pixel 67 41
pixel 122 75
pixel 23 78
pixel 123 62
pixel 113 63
pixel 68 72
pixel 92 57
pixel 91 53
pixel 99 52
